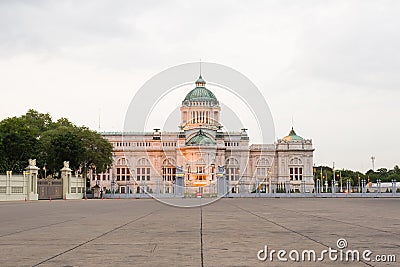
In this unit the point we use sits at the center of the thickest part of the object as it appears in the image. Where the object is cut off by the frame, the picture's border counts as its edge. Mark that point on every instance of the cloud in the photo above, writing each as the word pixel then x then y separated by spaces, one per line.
pixel 324 62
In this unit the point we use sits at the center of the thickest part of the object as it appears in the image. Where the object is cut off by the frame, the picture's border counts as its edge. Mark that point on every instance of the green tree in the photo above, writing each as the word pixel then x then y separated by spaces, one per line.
pixel 18 143
pixel 61 144
pixel 36 121
pixel 97 150
pixel 35 135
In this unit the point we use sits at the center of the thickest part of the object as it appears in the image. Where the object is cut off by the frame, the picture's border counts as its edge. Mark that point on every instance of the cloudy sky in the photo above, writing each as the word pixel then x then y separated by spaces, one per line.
pixel 332 65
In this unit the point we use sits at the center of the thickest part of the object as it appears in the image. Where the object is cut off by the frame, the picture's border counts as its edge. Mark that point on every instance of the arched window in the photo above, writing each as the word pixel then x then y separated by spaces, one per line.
pixel 262 168
pixel 201 169
pixel 123 172
pixel 122 161
pixel 168 169
pixel 143 170
pixel 296 169
pixel 262 162
pixel 295 161
pixel 232 161
pixel 232 169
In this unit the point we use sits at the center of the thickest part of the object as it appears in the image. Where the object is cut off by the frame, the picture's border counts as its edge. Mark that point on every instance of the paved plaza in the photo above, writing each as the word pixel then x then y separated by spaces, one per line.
pixel 229 232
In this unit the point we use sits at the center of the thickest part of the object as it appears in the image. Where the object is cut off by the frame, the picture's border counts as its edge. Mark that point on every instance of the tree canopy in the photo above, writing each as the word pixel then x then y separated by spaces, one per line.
pixel 36 135
pixel 382 174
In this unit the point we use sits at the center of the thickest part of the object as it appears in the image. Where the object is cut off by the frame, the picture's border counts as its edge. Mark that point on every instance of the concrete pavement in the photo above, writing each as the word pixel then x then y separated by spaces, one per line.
pixel 229 232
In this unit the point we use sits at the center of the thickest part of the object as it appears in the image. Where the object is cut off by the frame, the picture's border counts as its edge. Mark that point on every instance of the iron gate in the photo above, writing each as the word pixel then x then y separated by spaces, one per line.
pixel 50 187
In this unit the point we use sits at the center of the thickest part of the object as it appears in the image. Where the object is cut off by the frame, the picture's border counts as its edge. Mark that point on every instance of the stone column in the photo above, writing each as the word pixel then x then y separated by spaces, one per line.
pixel 66 178
pixel 222 184
pixel 179 182
pixel 32 173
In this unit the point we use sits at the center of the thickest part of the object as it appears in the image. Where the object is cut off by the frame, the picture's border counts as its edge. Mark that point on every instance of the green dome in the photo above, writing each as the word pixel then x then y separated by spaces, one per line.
pixel 200 139
pixel 292 136
pixel 200 93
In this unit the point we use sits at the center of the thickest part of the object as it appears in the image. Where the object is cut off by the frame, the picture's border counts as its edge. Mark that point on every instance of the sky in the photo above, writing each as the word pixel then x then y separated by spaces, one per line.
pixel 332 66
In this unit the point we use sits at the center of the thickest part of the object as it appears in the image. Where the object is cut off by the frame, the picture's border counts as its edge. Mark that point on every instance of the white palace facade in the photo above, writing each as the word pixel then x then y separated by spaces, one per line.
pixel 148 162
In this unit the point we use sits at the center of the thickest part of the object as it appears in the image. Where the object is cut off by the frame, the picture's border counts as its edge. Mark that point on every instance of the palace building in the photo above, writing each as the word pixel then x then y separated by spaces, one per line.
pixel 148 161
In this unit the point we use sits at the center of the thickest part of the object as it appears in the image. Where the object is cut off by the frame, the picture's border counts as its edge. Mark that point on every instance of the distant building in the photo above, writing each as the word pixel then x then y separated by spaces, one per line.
pixel 148 161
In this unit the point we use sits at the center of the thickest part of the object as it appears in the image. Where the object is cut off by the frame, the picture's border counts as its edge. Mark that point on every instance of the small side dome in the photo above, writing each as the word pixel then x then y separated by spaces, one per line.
pixel 200 139
pixel 292 136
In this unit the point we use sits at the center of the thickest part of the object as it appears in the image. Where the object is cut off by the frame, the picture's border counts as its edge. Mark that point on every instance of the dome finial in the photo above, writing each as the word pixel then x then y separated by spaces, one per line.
pixel 200 68
pixel 200 81
pixel 292 122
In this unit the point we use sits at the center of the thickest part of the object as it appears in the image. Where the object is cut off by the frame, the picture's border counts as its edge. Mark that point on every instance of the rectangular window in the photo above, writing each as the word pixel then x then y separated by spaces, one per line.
pixel 296 173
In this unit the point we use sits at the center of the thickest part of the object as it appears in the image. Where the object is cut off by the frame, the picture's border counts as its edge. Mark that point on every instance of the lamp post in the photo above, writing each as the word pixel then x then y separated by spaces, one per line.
pixel 334 177
pixel 338 179
pixel 45 170
pixel 363 189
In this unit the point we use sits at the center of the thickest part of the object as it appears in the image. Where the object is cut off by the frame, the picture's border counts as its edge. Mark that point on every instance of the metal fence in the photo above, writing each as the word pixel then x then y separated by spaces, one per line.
pixel 222 188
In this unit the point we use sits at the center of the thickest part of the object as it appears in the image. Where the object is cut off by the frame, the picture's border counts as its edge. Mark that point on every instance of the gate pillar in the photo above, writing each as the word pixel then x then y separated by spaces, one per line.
pixel 66 179
pixel 32 173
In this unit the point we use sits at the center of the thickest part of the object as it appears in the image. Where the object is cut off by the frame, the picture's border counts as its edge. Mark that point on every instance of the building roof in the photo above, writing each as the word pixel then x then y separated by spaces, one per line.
pixel 200 93
pixel 292 136
pixel 200 139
